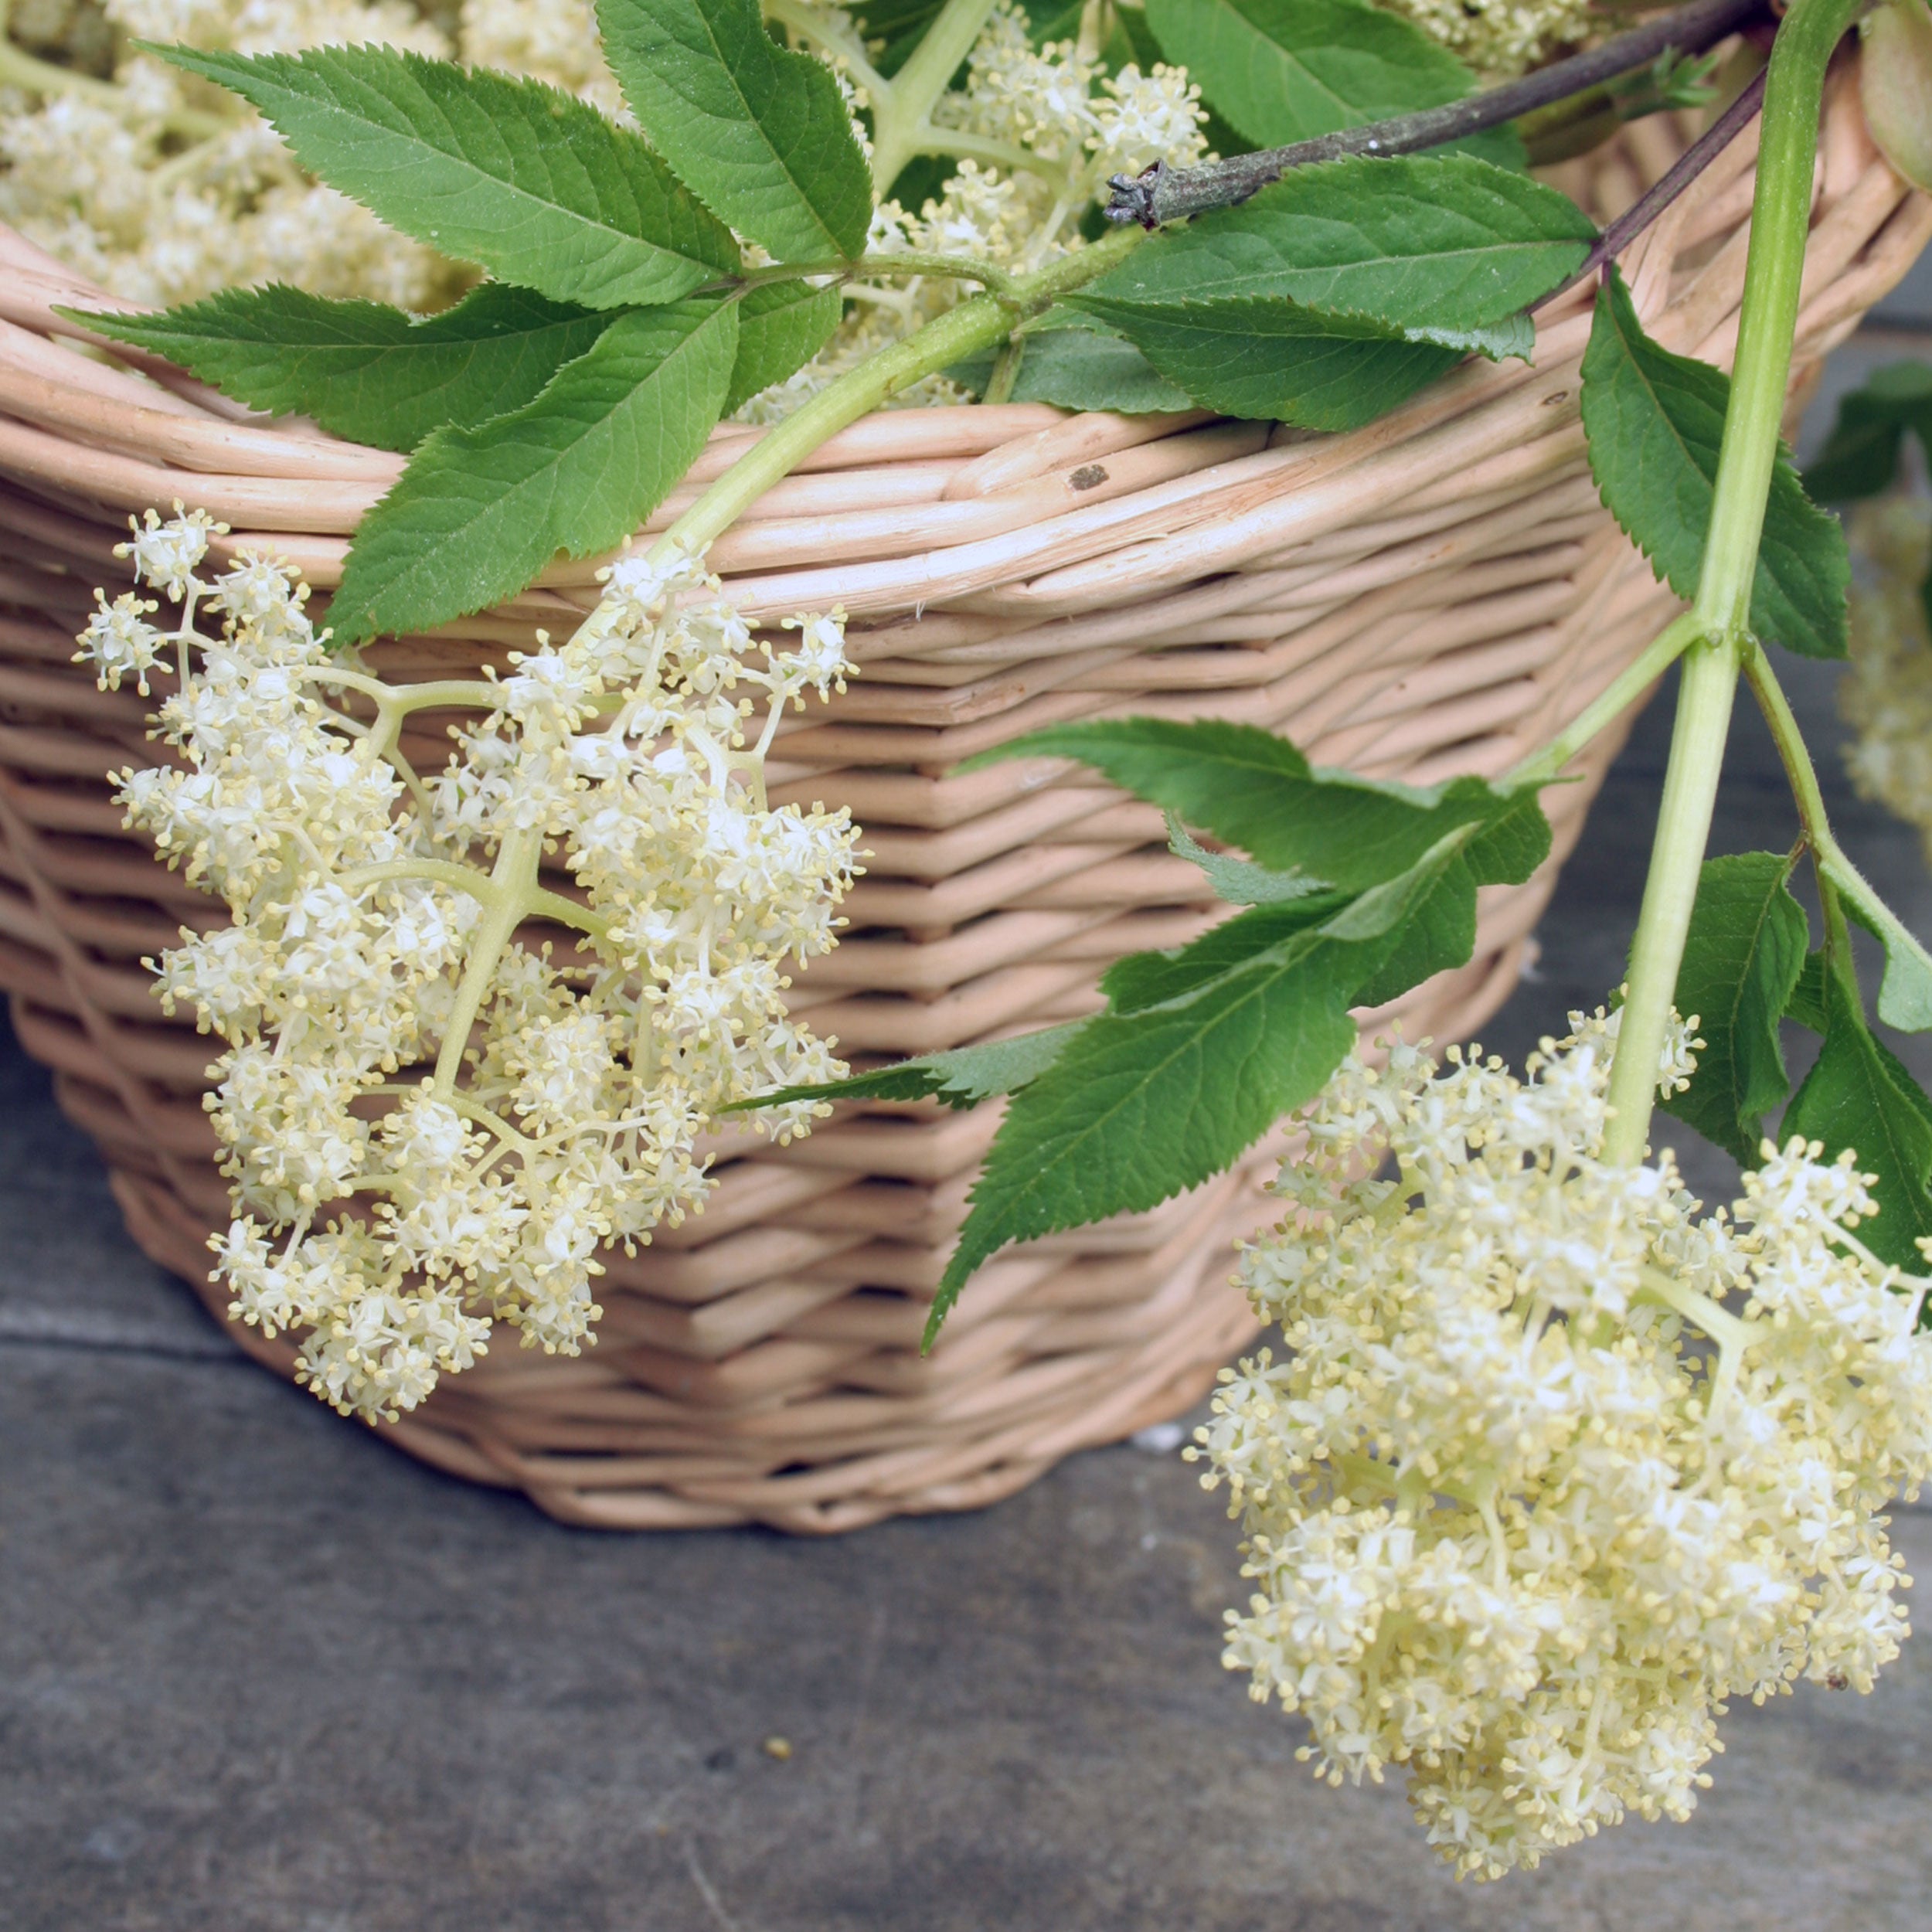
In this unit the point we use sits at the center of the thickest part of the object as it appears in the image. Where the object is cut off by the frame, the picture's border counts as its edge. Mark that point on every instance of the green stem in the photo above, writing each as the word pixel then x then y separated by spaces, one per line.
pixel 897 261
pixel 514 878
pixel 899 123
pixel 1683 825
pixel 975 324
pixel 1780 218
pixel 1668 646
pixel 809 24
pixel 20 69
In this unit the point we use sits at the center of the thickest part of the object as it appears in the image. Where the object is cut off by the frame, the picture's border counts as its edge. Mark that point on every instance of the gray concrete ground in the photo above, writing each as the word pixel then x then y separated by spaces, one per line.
pixel 259 1674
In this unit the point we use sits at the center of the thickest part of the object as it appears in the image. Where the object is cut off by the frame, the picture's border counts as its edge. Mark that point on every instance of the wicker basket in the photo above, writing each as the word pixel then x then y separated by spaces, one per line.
pixel 1436 593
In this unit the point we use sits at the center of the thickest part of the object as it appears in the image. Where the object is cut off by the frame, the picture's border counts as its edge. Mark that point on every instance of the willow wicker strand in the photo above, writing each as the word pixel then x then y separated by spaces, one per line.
pixel 1436 593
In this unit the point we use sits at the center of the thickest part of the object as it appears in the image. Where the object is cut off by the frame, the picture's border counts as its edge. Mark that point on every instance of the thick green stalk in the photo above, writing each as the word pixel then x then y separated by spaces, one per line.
pixel 1780 217
pixel 513 879
pixel 899 123
pixel 976 324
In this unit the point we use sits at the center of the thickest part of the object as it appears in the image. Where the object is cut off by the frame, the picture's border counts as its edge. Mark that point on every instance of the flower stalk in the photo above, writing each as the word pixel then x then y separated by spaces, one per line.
pixel 1774 270
pixel 975 324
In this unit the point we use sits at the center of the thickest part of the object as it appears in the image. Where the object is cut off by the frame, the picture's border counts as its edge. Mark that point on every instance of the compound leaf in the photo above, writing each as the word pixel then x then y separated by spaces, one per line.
pixel 761 132
pixel 1655 421
pixel 1741 964
pixel 479 512
pixel 1253 790
pixel 962 1077
pixel 362 369
pixel 1857 1095
pixel 1287 70
pixel 1443 249
pixel 534 184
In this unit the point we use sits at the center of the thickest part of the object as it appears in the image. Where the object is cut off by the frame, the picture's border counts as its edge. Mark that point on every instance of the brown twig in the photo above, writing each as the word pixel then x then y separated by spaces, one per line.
pixel 1163 194
pixel 1645 210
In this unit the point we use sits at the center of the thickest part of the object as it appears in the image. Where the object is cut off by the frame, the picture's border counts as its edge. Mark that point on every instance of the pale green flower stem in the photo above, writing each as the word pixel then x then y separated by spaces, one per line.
pixel 975 324
pixel 1719 636
pixel 901 107
pixel 22 69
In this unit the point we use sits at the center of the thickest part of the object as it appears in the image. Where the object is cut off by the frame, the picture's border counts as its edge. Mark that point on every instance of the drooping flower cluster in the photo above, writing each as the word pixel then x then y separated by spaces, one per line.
pixel 1550 1468
pixel 1885 695
pixel 431 1119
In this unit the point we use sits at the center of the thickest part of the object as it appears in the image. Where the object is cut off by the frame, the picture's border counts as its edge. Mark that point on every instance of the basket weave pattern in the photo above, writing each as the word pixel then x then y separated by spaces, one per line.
pixel 1438 594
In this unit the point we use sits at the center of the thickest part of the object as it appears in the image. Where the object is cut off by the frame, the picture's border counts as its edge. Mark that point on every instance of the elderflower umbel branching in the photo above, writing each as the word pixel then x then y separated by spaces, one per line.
pixel 1549 1467
pixel 431 1121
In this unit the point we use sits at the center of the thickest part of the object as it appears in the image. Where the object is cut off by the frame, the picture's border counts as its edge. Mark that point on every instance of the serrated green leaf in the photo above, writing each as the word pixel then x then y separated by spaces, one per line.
pixel 478 513
pixel 1655 421
pixel 1443 249
pixel 1741 960
pixel 1287 70
pixel 762 132
pixel 1143 1104
pixel 1272 362
pixel 1253 790
pixel 1904 995
pixel 1080 367
pixel 1861 457
pixel 534 184
pixel 362 369
pixel 781 327
pixel 1437 933
pixel 1805 1002
pixel 1240 881
pixel 1857 1095
pixel 1143 981
pixel 960 1078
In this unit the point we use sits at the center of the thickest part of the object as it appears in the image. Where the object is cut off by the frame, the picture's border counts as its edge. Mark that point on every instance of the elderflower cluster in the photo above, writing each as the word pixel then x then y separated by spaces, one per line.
pixel 1500 38
pixel 431 1120
pixel 170 188
pixel 1550 1468
pixel 1886 694
pixel 1066 125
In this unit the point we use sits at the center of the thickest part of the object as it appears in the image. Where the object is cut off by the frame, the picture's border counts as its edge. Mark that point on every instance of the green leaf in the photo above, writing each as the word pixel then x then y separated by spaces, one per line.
pixel 362 369
pixel 962 1077
pixel 781 327
pixel 1080 367
pixel 1270 361
pixel 530 181
pixel 1287 70
pixel 1142 981
pixel 1861 457
pixel 1442 248
pixel 1655 421
pixel 1253 790
pixel 1904 995
pixel 762 132
pixel 1143 1104
pixel 1240 881
pixel 1741 963
pixel 479 512
pixel 1805 1003
pixel 1857 1095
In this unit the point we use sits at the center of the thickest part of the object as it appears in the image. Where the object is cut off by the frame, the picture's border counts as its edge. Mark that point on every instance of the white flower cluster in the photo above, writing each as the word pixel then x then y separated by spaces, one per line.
pixel 1551 1468
pixel 1499 38
pixel 1055 126
pixel 163 188
pixel 430 1119
pixel 1885 695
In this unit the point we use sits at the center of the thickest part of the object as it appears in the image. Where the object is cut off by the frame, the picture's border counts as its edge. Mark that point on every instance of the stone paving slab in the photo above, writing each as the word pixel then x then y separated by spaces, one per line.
pixel 258 1673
